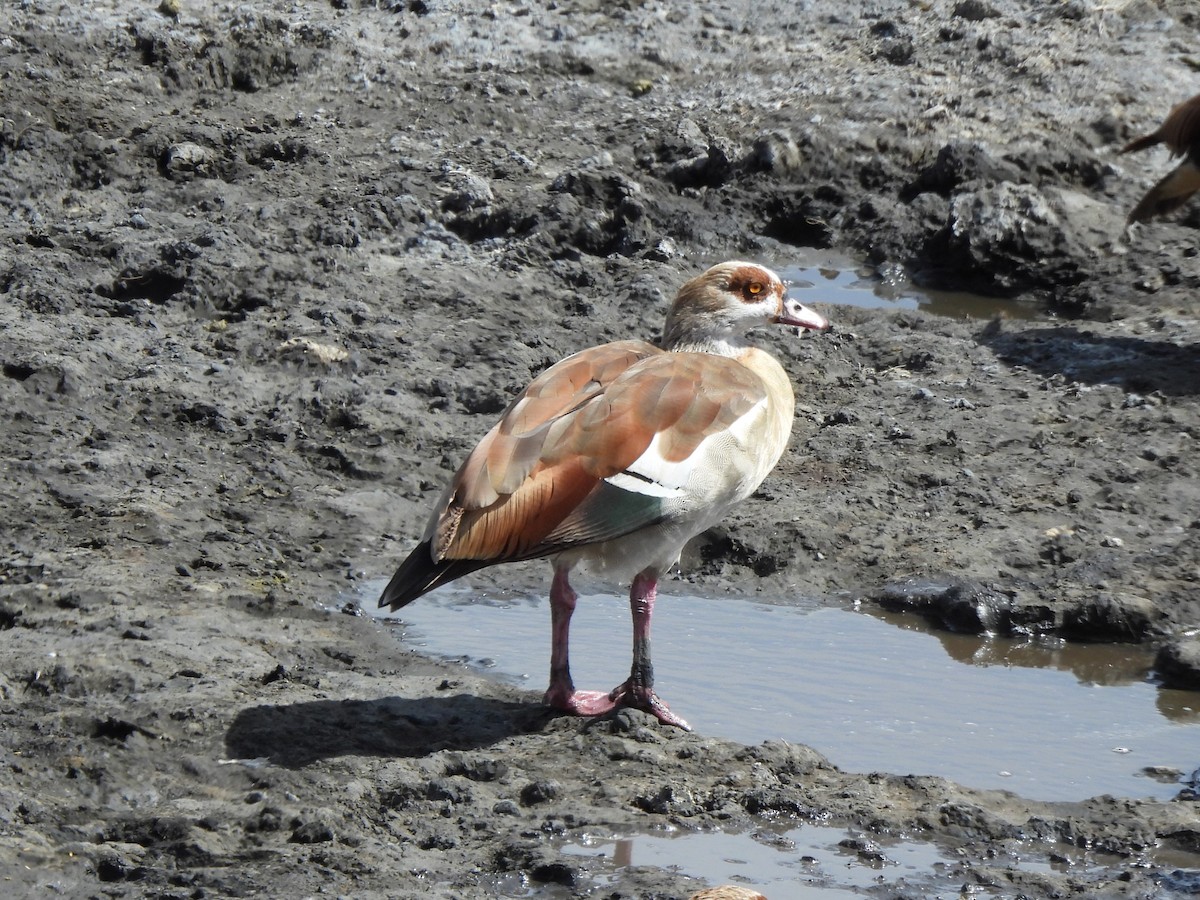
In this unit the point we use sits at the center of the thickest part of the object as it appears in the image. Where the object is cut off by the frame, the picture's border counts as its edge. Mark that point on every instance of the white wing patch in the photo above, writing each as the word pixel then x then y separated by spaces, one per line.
pixel 652 475
pixel 710 466
pixel 636 485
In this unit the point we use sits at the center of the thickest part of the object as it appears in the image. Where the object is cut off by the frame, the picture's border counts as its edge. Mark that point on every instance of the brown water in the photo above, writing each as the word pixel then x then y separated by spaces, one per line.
pixel 874 692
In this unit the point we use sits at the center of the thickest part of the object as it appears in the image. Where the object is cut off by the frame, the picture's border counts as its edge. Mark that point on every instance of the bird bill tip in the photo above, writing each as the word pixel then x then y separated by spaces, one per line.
pixel 802 317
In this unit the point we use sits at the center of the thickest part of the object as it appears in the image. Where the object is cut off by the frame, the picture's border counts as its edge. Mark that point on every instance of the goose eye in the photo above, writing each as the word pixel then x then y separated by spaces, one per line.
pixel 755 288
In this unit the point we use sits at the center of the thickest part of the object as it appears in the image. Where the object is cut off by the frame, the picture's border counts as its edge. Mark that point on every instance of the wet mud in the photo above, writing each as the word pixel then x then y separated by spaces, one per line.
pixel 269 270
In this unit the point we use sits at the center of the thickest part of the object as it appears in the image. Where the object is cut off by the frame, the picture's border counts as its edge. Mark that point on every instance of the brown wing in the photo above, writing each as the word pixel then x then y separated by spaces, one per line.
pixel 505 459
pixel 508 453
pixel 1181 130
pixel 535 484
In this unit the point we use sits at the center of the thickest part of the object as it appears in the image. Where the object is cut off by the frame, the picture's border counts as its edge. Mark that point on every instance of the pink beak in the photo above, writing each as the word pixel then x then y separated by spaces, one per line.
pixel 794 313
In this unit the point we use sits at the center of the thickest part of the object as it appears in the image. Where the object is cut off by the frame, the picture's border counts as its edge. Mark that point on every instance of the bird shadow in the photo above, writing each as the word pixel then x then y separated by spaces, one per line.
pixel 297 734
pixel 1137 364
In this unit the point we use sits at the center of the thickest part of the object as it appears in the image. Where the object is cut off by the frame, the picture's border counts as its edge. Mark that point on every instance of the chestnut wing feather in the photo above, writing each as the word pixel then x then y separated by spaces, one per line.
pixel 536 483
pixel 479 517
pixel 508 453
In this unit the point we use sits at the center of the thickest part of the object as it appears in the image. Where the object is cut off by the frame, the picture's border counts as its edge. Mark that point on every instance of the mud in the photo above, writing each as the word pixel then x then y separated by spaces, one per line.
pixel 269 270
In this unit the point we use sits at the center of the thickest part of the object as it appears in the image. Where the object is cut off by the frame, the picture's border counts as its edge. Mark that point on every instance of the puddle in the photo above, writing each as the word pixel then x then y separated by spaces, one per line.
pixel 811 862
pixel 871 692
pixel 832 278
pixel 817 862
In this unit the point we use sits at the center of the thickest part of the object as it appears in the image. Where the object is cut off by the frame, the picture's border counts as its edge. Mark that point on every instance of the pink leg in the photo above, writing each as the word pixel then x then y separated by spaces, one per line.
pixel 562 694
pixel 638 691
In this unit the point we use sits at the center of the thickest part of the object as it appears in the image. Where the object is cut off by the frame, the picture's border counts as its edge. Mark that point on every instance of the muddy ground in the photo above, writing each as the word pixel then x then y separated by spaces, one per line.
pixel 268 270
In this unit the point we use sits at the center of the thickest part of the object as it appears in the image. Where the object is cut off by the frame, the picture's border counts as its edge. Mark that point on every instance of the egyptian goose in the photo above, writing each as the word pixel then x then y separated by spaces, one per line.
pixel 1180 131
pixel 616 457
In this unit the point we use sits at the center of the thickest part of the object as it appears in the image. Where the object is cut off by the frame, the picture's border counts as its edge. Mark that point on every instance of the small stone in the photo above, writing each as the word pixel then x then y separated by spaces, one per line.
pixel 539 792
pixel 312 833
pixel 467 191
pixel 185 159
pixel 974 10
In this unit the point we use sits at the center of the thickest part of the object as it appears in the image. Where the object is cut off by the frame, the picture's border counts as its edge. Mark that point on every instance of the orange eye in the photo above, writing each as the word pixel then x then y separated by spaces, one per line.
pixel 755 288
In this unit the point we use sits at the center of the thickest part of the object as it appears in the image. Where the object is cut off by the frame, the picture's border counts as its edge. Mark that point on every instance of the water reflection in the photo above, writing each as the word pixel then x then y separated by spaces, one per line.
pixel 1179 706
pixel 1097 665
pixel 806 863
pixel 839 281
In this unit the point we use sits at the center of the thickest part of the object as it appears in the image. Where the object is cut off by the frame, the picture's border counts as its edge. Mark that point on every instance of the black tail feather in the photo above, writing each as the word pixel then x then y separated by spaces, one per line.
pixel 1148 140
pixel 419 574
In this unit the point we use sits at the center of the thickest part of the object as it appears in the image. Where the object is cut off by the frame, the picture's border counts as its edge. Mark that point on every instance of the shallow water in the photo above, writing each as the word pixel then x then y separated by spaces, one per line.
pixel 810 862
pixel 827 277
pixel 805 862
pixel 871 692
pixel 816 862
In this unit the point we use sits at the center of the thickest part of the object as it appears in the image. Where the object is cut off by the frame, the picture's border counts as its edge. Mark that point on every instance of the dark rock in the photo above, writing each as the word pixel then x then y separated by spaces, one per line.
pixel 311 833
pixel 975 10
pixel 1177 664
pixel 952 604
pixel 538 792
pixel 1111 617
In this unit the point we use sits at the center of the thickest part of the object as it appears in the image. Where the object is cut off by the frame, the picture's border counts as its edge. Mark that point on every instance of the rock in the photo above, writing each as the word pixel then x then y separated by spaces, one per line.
pixel 1112 617
pixel 466 191
pixel 1009 237
pixel 1177 664
pixel 312 833
pixel 951 604
pixel 186 160
pixel 975 10
pixel 538 792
